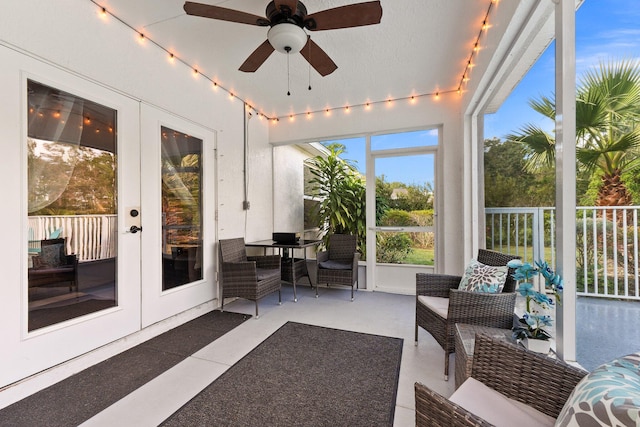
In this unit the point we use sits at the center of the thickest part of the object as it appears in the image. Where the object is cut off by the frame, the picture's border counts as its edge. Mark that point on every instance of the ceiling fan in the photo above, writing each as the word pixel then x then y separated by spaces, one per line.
pixel 288 20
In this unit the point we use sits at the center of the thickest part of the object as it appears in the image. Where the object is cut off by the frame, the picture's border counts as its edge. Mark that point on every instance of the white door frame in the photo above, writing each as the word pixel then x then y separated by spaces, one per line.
pixel 403 274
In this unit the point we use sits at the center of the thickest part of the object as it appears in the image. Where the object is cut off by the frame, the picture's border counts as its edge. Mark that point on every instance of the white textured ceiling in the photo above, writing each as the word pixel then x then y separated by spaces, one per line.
pixel 420 47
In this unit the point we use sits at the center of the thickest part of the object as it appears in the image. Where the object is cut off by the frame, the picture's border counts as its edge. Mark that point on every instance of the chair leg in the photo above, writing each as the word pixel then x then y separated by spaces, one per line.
pixel 352 292
pixel 279 297
pixel 257 310
pixel 222 304
pixel 446 366
pixel 416 333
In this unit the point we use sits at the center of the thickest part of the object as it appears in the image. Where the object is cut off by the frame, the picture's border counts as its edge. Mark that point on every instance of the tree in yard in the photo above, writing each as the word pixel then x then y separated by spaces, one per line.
pixel 607 129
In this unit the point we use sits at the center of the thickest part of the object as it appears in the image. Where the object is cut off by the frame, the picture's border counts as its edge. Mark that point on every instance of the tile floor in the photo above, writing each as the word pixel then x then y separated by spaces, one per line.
pixel 371 312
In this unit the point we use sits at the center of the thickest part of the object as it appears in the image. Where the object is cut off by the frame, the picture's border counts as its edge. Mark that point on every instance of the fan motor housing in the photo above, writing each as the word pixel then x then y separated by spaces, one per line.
pixel 284 14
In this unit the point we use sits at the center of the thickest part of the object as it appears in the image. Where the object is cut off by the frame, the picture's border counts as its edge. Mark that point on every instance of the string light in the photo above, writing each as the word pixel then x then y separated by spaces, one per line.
pixel 103 12
pixel 476 46
pixel 464 79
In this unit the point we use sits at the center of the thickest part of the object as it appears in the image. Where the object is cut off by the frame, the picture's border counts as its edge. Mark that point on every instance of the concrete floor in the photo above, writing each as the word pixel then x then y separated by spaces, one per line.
pixel 371 312
pixel 606 329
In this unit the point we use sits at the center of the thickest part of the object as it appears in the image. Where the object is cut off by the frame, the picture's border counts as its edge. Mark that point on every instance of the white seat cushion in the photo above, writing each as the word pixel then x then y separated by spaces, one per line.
pixel 497 408
pixel 436 304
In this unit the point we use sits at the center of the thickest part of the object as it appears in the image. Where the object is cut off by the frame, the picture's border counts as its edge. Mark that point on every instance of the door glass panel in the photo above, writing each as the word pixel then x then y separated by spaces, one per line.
pixel 404 209
pixel 72 206
pixel 181 208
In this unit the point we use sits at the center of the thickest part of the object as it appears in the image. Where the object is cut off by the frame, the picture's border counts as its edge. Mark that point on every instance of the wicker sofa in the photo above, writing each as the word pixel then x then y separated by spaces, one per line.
pixel 538 387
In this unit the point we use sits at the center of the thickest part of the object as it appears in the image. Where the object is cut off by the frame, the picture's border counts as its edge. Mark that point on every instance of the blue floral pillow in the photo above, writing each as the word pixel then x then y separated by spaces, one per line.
pixel 610 395
pixel 483 278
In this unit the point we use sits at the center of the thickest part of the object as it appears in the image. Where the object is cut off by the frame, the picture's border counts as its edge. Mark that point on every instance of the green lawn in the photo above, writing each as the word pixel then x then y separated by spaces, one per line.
pixel 420 257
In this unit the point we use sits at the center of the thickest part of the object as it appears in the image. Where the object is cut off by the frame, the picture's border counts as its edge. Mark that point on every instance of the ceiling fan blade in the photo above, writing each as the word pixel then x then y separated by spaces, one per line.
pixel 257 58
pixel 318 59
pixel 291 4
pixel 353 15
pixel 224 14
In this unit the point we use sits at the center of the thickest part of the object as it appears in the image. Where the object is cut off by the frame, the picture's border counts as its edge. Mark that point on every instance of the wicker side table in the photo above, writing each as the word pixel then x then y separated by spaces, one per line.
pixel 465 342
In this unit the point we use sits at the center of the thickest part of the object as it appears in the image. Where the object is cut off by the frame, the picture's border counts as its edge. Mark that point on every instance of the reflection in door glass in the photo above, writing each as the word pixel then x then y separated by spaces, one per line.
pixel 72 206
pixel 181 208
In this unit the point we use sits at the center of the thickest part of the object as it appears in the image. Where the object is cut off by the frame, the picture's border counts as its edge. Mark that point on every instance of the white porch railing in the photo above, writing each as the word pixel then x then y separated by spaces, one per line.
pixel 607 253
pixel 91 237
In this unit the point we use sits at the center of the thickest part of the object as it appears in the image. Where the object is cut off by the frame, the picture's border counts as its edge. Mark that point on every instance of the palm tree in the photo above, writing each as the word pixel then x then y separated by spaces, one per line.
pixel 607 129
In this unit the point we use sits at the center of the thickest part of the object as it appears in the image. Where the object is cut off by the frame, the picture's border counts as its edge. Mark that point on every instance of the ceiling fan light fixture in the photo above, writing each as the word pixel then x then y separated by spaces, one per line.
pixel 287 38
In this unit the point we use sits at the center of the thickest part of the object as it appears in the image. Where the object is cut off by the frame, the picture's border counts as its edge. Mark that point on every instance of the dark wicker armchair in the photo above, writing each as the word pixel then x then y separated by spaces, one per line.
pixel 536 380
pixel 474 308
pixel 52 266
pixel 251 278
pixel 339 264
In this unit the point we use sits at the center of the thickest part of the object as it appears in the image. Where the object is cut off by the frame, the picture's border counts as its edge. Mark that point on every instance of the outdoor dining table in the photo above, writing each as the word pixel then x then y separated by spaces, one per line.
pixel 292 268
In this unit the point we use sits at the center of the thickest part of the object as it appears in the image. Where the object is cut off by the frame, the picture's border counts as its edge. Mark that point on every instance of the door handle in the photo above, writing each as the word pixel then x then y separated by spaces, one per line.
pixel 134 229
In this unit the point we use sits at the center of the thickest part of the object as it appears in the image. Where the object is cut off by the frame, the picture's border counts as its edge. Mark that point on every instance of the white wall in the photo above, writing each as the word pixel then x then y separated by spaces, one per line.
pixel 288 189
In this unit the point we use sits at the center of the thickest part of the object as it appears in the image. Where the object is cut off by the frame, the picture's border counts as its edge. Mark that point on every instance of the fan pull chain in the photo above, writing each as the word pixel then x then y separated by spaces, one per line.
pixel 288 49
pixel 309 62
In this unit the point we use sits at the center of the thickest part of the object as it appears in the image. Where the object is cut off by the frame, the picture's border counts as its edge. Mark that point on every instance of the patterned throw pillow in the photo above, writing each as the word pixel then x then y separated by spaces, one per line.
pixel 51 255
pixel 610 395
pixel 483 278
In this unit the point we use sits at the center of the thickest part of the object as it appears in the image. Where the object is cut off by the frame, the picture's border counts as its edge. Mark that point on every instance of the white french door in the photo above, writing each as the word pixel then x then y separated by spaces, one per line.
pixel 73 276
pixel 178 181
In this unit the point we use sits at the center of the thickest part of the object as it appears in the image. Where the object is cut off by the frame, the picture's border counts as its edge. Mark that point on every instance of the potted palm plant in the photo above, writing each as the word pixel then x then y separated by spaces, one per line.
pixel 341 189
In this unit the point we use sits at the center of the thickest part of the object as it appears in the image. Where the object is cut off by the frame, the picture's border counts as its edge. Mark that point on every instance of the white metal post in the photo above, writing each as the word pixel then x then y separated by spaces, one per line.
pixel 565 25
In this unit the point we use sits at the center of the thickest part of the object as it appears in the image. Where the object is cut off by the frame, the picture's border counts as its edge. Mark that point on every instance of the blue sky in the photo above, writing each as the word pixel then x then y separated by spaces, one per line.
pixel 605 30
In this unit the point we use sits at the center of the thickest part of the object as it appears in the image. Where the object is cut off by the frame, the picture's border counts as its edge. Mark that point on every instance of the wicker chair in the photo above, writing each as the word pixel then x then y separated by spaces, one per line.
pixel 251 278
pixel 52 265
pixel 536 380
pixel 474 308
pixel 339 264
